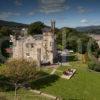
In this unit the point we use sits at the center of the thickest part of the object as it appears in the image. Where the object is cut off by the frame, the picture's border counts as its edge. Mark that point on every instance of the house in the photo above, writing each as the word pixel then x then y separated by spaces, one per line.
pixel 40 48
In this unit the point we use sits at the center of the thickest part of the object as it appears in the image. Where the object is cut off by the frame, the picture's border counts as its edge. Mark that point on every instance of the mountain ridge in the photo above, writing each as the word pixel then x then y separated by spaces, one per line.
pixel 11 24
pixel 88 28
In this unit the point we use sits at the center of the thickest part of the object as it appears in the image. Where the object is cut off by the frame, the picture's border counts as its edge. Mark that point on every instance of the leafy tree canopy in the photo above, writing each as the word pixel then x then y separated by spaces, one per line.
pixel 72 37
pixel 19 71
pixel 36 28
pixel 5 31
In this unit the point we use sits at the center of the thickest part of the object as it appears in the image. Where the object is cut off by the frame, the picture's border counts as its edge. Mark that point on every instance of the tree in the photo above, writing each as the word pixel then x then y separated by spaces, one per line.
pixel 19 72
pixel 71 43
pixel 5 44
pixel 71 36
pixel 36 28
pixel 5 31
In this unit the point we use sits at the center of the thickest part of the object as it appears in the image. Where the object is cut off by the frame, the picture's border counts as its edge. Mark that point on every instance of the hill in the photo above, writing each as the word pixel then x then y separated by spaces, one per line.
pixel 11 24
pixel 89 29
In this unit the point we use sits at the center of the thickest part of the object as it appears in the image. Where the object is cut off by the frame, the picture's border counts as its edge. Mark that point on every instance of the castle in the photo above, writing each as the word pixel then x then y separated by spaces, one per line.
pixel 39 48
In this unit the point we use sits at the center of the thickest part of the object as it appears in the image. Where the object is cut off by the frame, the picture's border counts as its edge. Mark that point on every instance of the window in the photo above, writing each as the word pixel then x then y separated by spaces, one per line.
pixel 32 45
pixel 27 54
pixel 51 43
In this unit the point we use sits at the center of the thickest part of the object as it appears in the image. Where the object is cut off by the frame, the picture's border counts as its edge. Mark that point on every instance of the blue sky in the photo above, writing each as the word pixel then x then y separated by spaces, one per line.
pixel 69 13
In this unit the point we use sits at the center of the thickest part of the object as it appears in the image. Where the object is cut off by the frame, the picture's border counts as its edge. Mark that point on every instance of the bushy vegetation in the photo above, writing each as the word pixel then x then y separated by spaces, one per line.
pixel 5 31
pixel 94 65
pixel 36 28
pixel 16 72
pixel 91 65
pixel 73 37
pixel 5 44
pixel 93 62
pixel 93 55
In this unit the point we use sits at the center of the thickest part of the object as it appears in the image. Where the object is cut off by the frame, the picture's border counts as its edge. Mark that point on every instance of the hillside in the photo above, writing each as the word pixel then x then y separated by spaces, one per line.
pixel 11 24
pixel 90 29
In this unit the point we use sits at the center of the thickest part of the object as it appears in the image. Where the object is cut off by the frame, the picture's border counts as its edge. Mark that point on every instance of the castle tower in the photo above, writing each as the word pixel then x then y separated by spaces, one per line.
pixel 53 26
pixel 49 42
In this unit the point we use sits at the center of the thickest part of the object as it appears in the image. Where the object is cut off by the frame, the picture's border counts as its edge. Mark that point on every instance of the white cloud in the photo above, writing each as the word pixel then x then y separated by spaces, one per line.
pixel 82 9
pixel 51 6
pixel 6 15
pixel 84 21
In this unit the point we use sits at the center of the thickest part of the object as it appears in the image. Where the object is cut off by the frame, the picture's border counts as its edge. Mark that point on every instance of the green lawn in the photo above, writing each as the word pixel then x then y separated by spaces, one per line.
pixel 84 85
pixel 23 94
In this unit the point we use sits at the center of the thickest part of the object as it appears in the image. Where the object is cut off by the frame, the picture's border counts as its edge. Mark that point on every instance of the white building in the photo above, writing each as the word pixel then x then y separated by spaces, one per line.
pixel 40 48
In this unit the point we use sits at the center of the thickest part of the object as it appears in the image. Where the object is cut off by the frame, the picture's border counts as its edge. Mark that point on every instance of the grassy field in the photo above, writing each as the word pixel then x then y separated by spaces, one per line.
pixel 84 85
pixel 22 94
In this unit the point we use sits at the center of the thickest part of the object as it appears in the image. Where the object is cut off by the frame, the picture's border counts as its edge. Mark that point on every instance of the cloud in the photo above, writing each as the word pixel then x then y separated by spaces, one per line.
pixel 84 21
pixel 31 13
pixel 82 9
pixel 52 6
pixel 18 2
pixel 6 15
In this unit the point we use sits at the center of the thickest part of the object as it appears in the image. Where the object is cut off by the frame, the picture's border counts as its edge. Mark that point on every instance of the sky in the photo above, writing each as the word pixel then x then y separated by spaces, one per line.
pixel 66 13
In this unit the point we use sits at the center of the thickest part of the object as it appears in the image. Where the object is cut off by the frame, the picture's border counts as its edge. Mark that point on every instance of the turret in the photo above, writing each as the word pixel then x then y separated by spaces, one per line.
pixel 53 26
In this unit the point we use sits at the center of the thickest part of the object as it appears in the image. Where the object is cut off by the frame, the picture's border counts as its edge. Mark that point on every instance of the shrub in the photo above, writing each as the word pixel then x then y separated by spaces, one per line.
pixel 91 65
pixel 94 65
pixel 4 84
pixel 18 72
pixel 97 67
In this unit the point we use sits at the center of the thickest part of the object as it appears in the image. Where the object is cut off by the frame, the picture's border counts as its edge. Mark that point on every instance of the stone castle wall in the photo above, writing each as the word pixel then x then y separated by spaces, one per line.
pixel 40 50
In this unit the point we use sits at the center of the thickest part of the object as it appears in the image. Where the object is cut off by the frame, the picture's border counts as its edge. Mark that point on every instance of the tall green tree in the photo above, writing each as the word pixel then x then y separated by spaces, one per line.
pixel 36 28
pixel 5 31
